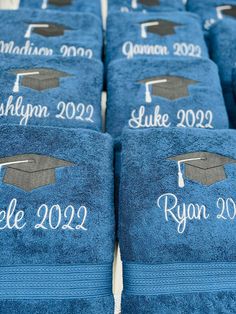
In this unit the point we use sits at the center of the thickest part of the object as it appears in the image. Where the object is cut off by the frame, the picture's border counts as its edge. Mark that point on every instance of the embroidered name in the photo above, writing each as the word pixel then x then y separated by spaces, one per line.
pixel 142 118
pixel 130 50
pixel 30 49
pixel 49 218
pixel 182 213
pixel 25 112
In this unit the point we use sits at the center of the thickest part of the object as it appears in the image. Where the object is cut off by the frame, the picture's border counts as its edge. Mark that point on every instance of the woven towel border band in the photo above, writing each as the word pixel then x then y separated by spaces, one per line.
pixel 55 282
pixel 179 278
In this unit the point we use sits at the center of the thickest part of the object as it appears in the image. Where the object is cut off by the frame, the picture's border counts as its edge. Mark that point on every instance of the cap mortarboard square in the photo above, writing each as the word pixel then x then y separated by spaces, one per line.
pixel 170 87
pixel 38 78
pixel 229 10
pixel 59 3
pixel 158 27
pixel 31 171
pixel 149 3
pixel 46 29
pixel 203 167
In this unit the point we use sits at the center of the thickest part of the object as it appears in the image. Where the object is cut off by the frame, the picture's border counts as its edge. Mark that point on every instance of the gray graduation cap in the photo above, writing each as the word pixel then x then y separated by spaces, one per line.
pixel 59 3
pixel 159 27
pixel 170 87
pixel 229 10
pixel 46 29
pixel 38 78
pixel 148 3
pixel 31 171
pixel 203 167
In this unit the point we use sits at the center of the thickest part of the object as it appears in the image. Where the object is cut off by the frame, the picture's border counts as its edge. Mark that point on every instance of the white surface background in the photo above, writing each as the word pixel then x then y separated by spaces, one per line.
pixel 117 277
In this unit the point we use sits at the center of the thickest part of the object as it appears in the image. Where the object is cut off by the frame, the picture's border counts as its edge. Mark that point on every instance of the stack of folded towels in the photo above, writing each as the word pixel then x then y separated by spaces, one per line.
pixel 57 224
pixel 161 180
pixel 219 21
pixel 174 167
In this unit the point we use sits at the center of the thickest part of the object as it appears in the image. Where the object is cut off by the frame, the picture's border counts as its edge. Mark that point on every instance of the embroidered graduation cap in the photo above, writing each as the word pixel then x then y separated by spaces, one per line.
pixel 46 29
pixel 158 27
pixel 59 3
pixel 31 171
pixel 170 87
pixel 229 10
pixel 38 78
pixel 148 3
pixel 203 167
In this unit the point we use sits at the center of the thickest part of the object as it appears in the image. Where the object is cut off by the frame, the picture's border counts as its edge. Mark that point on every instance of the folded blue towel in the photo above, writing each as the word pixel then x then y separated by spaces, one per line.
pixel 57 221
pixel 143 93
pixel 177 221
pixel 145 5
pixel 64 5
pixel 53 91
pixel 154 35
pixel 212 11
pixel 46 33
pixel 223 52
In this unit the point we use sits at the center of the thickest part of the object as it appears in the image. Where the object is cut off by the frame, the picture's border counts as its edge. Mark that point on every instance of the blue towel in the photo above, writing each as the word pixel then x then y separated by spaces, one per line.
pixel 53 91
pixel 57 221
pixel 154 35
pixel 143 93
pixel 199 103
pixel 93 6
pixel 145 5
pixel 177 221
pixel 212 11
pixel 46 33
pixel 223 52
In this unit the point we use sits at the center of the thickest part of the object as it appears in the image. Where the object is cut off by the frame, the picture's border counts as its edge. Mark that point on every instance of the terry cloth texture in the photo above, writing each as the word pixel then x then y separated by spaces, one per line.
pixel 223 52
pixel 154 35
pixel 52 91
pixel 212 11
pixel 47 33
pixel 145 5
pixel 56 213
pixel 177 213
pixel 144 93
pixel 65 5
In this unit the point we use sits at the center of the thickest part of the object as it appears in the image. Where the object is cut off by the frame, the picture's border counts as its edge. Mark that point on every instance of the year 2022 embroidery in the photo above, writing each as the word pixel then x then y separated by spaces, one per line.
pixel 206 169
pixel 46 30
pixel 41 80
pixel 29 172
pixel 160 28
pixel 170 88
pixel 49 217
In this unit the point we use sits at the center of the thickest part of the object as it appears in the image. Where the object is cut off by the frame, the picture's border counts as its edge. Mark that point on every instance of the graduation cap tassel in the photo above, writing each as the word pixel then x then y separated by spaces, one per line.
pixel 181 183
pixel 143 31
pixel 148 95
pixel 16 86
pixel 134 4
pixel 180 176
pixel 44 4
pixel 222 8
